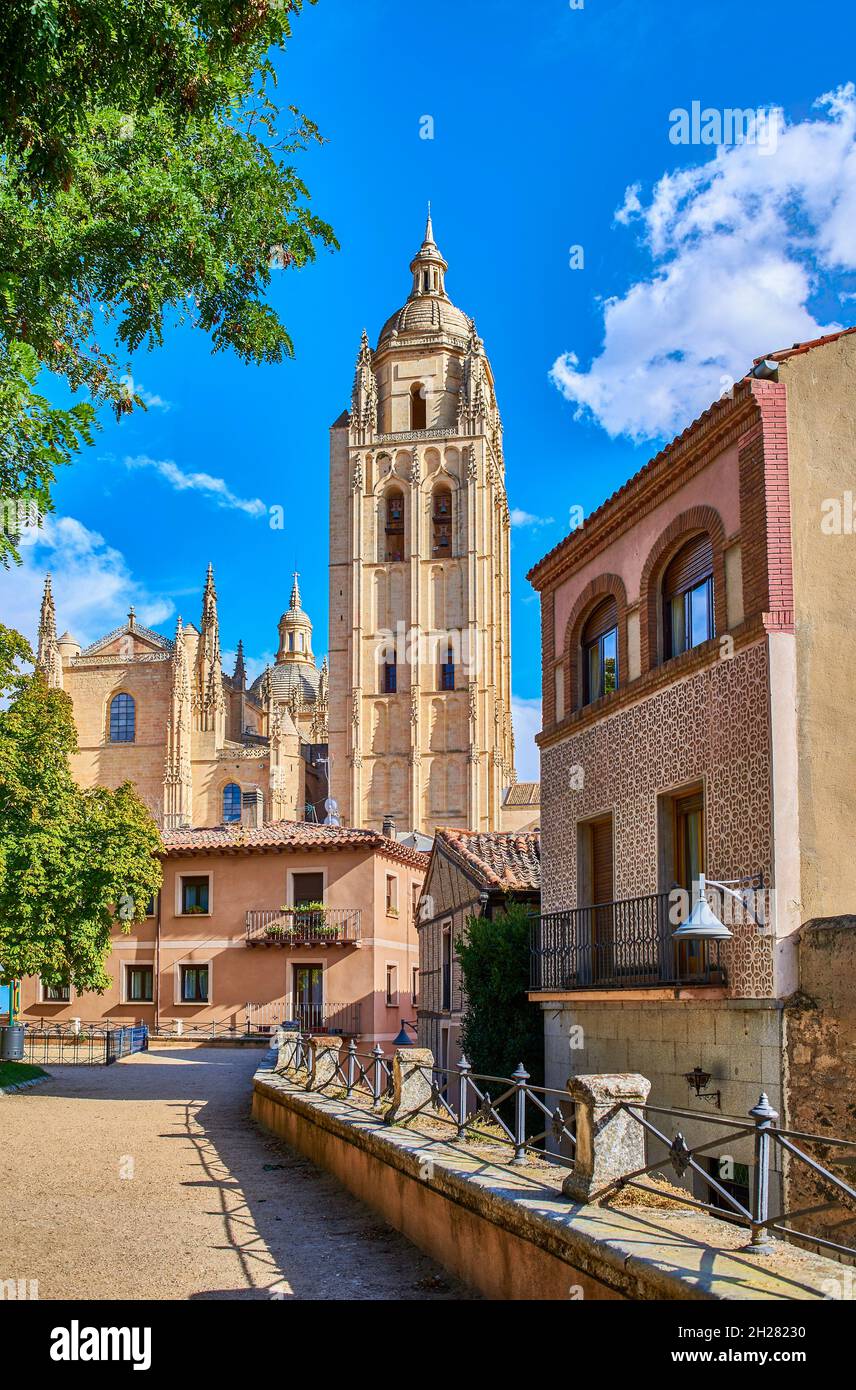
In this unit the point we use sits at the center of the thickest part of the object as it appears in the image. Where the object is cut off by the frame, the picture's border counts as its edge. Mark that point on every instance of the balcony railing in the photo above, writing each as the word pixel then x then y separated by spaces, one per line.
pixel 303 926
pixel 620 945
pixel 326 1017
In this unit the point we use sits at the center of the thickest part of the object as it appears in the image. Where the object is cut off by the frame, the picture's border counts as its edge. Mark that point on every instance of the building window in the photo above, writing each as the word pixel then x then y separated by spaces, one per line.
pixel 122 719
pixel 600 652
pixel 56 994
pixel 231 803
pixel 308 996
pixel 389 680
pixel 139 984
pixel 446 969
pixel 418 412
pixel 688 618
pixel 391 895
pixel 194 984
pixel 441 521
pixel 391 985
pixel 307 888
pixel 194 895
pixel 447 670
pixel 395 525
pixel 151 905
pixel 414 983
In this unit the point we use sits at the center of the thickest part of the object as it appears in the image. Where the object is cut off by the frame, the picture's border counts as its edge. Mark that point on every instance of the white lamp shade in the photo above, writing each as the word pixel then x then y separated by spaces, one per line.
pixel 702 925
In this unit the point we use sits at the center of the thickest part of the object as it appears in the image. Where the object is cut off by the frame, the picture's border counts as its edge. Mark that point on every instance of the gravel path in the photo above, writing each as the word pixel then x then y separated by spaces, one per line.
pixel 148 1179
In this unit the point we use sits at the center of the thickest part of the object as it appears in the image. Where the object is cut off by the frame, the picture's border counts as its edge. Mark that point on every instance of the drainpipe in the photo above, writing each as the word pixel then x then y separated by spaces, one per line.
pixel 157 959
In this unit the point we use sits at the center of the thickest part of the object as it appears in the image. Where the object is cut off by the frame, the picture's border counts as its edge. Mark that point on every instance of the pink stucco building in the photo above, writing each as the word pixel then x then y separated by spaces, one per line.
pixel 256 925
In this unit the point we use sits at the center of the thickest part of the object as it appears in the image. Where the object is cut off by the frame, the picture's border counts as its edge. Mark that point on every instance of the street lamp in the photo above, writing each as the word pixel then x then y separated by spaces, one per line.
pixel 403 1040
pixel 702 923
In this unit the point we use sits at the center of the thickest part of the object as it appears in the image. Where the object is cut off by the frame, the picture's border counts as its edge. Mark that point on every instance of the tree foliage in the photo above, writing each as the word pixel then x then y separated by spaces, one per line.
pixel 70 859
pixel 142 183
pixel 500 1028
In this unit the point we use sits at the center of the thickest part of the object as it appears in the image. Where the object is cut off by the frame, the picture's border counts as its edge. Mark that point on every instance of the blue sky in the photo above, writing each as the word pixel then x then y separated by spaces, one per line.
pixel 544 117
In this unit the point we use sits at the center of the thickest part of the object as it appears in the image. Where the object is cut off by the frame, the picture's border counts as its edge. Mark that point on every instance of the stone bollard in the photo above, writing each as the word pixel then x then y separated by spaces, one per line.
pixel 325 1059
pixel 609 1141
pixel 412 1088
pixel 287 1040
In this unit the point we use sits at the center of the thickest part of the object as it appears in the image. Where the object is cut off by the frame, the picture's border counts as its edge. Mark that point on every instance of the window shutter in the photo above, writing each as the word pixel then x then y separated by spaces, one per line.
pixel 601 861
pixel 692 564
pixel 603 619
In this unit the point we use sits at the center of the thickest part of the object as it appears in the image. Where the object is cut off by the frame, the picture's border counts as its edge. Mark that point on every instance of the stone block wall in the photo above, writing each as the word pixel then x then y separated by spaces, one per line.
pixel 820 1061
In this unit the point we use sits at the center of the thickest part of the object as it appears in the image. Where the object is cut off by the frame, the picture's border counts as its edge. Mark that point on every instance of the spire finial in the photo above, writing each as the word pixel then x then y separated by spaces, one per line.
pixel 295 592
pixel 429 230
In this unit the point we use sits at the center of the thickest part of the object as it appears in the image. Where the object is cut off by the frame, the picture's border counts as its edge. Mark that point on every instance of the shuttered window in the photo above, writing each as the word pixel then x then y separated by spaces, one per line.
pixel 688 617
pixel 600 651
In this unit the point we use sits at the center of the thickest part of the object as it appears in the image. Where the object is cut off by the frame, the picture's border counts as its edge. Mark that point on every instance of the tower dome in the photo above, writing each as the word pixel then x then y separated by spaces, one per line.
pixel 295 631
pixel 428 308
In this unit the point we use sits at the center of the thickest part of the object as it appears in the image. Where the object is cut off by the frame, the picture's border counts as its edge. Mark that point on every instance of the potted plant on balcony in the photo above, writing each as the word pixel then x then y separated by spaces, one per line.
pixel 279 931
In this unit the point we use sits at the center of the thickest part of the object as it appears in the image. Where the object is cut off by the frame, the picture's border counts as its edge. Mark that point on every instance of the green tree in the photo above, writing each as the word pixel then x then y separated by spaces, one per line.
pixel 143 181
pixel 500 1028
pixel 71 860
pixel 13 649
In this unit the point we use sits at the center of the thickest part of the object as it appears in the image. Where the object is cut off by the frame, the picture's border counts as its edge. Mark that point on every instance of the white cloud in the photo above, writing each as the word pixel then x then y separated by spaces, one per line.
pixel 520 518
pixel 92 584
pixel 149 398
pixel 206 483
pixel 526 721
pixel 739 247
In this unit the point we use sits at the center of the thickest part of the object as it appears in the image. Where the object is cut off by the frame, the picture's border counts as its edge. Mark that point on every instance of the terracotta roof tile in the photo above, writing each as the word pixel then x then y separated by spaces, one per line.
pixel 285 835
pixel 509 860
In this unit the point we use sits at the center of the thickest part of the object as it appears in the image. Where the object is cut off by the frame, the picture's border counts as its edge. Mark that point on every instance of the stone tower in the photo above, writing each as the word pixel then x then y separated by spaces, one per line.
pixel 420 661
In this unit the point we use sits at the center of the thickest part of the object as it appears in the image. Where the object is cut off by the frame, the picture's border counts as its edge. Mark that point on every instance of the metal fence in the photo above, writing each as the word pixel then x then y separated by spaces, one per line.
pixel 528 1118
pixel 93 1045
pixel 768 1141
pixel 540 1122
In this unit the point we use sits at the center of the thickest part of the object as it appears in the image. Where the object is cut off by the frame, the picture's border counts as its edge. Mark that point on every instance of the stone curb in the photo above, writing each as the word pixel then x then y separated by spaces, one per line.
pixel 24 1085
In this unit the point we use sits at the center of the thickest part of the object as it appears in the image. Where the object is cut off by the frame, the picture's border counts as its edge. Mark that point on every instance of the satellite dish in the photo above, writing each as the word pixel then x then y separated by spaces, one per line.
pixel 331 806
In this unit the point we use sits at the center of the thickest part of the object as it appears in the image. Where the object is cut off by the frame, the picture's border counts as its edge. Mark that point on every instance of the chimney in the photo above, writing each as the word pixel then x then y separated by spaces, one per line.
pixel 389 826
pixel 252 808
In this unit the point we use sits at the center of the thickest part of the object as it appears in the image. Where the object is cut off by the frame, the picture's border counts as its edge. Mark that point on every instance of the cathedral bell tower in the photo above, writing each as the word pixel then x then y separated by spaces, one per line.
pixel 420 651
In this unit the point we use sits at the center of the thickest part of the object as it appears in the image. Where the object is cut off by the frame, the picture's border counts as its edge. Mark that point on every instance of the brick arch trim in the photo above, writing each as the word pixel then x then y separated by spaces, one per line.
pixel 597 589
pixel 696 519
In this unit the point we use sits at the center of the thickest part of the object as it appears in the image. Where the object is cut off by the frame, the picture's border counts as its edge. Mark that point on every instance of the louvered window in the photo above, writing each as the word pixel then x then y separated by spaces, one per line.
pixel 600 651
pixel 688 618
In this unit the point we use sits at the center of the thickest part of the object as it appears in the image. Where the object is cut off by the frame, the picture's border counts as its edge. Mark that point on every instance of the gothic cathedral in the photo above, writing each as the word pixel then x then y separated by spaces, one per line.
pixel 420 652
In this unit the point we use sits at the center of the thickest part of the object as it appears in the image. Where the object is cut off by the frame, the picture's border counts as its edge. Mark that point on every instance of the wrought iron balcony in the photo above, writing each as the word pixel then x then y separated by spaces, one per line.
pixel 619 945
pixel 303 926
pixel 326 1017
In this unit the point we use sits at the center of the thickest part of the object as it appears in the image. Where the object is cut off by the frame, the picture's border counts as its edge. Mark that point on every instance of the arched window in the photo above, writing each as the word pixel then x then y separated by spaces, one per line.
pixel 600 651
pixel 122 719
pixel 441 521
pixel 417 406
pixel 688 617
pixel 231 803
pixel 395 524
pixel 447 669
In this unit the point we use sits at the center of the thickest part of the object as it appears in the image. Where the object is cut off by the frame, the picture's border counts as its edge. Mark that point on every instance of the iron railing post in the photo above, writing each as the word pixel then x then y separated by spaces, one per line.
pixel 352 1064
pixel 377 1054
pixel 464 1070
pixel 520 1077
pixel 765 1117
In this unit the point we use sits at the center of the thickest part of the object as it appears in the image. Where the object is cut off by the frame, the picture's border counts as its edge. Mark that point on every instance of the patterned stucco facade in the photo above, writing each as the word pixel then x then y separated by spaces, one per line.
pixel 712 727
